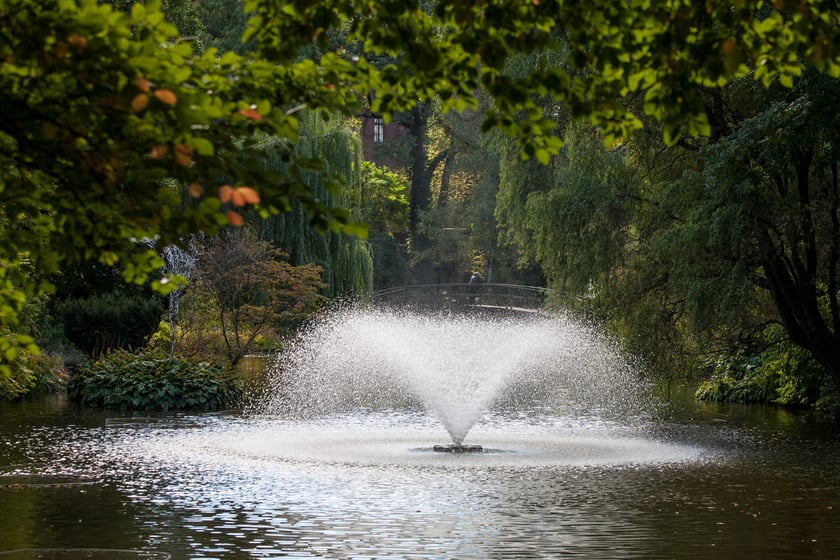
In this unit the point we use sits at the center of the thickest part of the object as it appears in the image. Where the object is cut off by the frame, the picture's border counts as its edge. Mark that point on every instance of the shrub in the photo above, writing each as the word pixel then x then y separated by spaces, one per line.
pixel 104 322
pixel 31 373
pixel 783 373
pixel 145 382
pixel 20 379
pixel 736 379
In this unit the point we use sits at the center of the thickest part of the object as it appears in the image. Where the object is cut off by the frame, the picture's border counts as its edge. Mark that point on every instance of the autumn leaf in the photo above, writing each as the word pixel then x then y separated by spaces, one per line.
pixel 143 84
pixel 159 152
pixel 252 114
pixel 77 41
pixel 234 218
pixel 166 96
pixel 249 195
pixel 140 102
pixel 183 155
pixel 237 198
pixel 225 193
pixel 244 195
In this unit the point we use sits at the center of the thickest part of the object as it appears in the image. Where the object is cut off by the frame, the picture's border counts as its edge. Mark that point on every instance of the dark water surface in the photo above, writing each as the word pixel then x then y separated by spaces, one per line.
pixel 701 481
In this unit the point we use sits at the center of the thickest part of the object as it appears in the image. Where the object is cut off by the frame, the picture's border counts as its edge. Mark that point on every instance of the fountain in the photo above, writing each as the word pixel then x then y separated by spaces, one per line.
pixel 338 458
pixel 528 381
pixel 399 433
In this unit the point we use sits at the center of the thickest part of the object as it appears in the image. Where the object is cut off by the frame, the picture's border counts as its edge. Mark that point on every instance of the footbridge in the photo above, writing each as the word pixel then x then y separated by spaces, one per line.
pixel 467 297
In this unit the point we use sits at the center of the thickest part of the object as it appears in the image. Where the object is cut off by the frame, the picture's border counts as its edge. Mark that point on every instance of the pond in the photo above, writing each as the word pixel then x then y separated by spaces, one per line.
pixel 740 482
pixel 334 458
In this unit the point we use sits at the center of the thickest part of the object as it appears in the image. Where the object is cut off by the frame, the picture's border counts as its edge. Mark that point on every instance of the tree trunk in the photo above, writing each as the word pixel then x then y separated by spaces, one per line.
pixel 446 177
pixel 420 195
pixel 794 293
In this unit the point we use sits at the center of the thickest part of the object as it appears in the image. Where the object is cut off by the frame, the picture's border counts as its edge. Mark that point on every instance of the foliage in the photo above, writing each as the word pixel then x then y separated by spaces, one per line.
pixel 31 373
pixel 662 52
pixel 383 202
pixel 579 219
pixel 346 260
pixel 146 382
pixel 13 308
pixel 783 373
pixel 183 14
pixel 692 250
pixel 253 288
pixel 763 213
pixel 223 23
pixel 732 383
pixel 104 322
pixel 106 118
pixel 383 205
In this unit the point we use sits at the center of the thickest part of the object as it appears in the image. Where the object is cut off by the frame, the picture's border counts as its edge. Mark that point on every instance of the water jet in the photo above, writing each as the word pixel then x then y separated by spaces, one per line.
pixel 538 387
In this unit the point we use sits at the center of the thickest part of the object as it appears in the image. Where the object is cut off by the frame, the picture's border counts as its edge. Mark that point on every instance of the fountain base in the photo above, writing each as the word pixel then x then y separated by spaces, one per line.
pixel 455 448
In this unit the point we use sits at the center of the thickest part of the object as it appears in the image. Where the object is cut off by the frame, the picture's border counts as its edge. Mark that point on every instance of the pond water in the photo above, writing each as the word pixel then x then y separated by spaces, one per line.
pixel 696 481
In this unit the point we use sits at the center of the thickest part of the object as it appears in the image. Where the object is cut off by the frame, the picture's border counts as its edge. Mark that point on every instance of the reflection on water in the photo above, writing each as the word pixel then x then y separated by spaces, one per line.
pixel 726 482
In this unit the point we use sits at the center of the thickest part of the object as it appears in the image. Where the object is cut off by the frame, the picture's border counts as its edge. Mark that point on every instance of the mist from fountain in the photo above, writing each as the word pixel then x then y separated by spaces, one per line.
pixel 456 366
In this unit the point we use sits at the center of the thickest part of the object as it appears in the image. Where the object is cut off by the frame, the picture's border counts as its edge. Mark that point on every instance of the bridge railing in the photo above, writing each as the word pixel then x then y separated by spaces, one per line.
pixel 508 296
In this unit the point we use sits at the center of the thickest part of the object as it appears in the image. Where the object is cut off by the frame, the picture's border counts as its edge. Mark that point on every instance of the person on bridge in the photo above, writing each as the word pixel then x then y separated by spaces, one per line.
pixel 475 280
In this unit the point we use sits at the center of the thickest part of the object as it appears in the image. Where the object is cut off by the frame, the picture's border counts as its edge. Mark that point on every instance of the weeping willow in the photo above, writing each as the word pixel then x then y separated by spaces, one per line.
pixel 347 261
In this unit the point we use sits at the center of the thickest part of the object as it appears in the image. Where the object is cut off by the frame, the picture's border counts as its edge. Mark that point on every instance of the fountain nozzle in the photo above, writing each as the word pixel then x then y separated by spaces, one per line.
pixel 458 448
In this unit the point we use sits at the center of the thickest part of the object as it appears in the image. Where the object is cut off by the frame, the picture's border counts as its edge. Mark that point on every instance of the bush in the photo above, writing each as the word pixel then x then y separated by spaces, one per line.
pixel 20 380
pixel 737 379
pixel 31 373
pixel 783 373
pixel 143 382
pixel 108 321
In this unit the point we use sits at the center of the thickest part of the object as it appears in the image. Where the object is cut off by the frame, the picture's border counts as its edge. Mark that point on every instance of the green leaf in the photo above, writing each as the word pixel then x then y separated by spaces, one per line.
pixel 203 146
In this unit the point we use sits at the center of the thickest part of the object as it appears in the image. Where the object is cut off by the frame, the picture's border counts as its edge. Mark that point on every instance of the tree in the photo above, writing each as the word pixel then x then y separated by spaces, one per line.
pixel 763 213
pixel 255 290
pixel 183 14
pixel 105 117
pixel 384 207
pixel 223 23
pixel 580 217
pixel 346 260
pixel 105 121
pixel 107 321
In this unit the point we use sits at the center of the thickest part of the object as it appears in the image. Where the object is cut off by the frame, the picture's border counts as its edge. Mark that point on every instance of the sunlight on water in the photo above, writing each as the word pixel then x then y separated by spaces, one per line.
pixel 406 440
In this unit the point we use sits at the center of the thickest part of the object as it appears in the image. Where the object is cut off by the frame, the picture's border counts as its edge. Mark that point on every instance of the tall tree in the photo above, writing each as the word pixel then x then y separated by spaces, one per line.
pixel 100 106
pixel 384 207
pixel 764 213
pixel 222 25
pixel 579 222
pixel 334 179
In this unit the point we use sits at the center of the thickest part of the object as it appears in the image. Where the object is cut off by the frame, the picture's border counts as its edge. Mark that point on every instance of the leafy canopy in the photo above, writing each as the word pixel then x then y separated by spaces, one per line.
pixel 106 119
pixel 105 122
pixel 663 51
